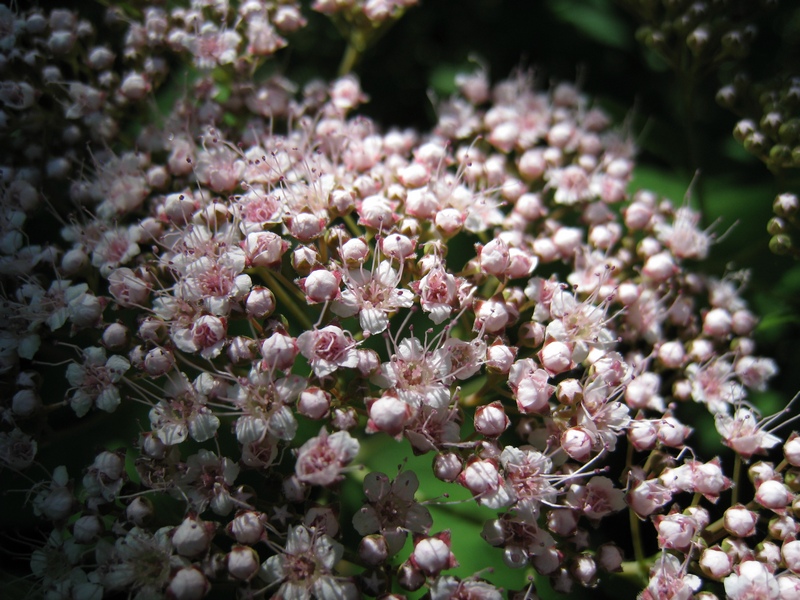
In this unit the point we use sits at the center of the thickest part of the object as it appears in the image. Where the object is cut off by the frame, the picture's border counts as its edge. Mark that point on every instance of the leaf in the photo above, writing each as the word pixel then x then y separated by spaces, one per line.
pixel 595 19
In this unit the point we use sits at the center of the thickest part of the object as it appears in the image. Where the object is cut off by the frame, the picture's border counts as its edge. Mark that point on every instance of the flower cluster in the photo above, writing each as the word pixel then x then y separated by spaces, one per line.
pixel 274 282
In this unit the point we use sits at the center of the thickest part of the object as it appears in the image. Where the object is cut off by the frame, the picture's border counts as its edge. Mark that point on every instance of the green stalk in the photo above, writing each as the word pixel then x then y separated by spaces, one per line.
pixel 737 470
pixel 352 55
pixel 638 549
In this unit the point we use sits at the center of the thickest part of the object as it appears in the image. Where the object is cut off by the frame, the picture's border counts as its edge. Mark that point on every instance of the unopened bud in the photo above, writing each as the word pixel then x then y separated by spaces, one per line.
pixel 242 563
pixel 188 583
pixel 373 549
pixel 139 510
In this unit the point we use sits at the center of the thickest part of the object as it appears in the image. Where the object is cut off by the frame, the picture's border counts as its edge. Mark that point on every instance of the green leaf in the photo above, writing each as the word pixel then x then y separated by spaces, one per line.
pixel 595 19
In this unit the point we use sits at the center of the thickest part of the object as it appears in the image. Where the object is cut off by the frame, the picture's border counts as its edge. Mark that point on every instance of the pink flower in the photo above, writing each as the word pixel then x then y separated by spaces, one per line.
pixel 646 496
pixel 742 433
pixel 670 581
pixel 321 459
pixel 675 531
pixel 751 580
pixel 305 568
pixel 530 386
pixel 328 349
pixel 597 499
pixel 483 480
pixel 373 295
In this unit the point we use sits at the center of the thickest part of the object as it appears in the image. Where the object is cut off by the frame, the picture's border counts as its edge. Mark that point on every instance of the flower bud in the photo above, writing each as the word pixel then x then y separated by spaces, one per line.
pixel 192 537
pixel 584 570
pixel 491 419
pixel 671 354
pixel 577 443
pixel 321 285
pixel 739 521
pixel 531 334
pixel 388 414
pixel 260 303
pixel 115 336
pixel 768 553
pixel 717 323
pixel 783 527
pixel 643 434
pixel 449 221
pixel 610 558
pixel 139 510
pixel 87 528
pixel 786 205
pixel 242 563
pixel 409 577
pixel 397 246
pixel 773 495
pixel 672 432
pixel 546 562
pixel 675 531
pixel 314 403
pixel 563 521
pixel 279 351
pixel 134 86
pixel 345 418
pixel 790 552
pixel 153 447
pixel 158 361
pixel 432 555
pixel 715 563
pixel 556 357
pixel 25 403
pixel 532 164
pixel 248 527
pixel 73 261
pixel 188 583
pixel 241 349
pixel 447 466
pixel 791 450
pixel 494 257
pixel 373 550
pixel 659 267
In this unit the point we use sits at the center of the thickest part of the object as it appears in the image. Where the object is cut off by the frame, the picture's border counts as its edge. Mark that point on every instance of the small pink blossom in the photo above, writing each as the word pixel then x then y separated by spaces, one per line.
pixel 327 349
pixel 751 579
pixel 321 459
pixel 743 434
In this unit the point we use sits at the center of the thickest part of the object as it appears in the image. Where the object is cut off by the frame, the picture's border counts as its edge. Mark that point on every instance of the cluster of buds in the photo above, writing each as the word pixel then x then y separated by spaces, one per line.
pixel 272 282
pixel 783 227
pixel 695 36
pixel 770 128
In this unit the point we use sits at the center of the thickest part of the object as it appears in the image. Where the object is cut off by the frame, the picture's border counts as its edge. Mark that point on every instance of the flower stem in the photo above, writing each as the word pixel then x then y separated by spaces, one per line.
pixel 352 55
pixel 638 549
pixel 737 470
pixel 351 225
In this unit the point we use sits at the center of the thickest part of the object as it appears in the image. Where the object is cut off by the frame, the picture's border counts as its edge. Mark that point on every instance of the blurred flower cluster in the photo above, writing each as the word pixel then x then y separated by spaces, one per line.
pixel 271 280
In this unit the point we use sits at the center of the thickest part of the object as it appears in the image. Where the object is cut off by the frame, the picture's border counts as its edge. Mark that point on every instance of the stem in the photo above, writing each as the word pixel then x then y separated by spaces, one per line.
pixel 737 470
pixel 638 549
pixel 352 55
pixel 689 121
pixel 351 225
